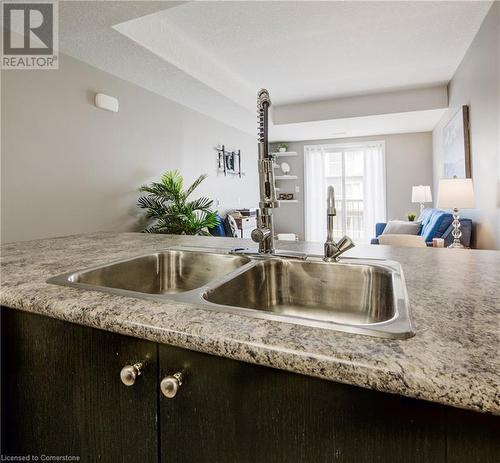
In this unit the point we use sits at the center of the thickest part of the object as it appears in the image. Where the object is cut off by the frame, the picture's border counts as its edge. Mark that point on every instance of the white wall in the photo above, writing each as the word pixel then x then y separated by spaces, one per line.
pixel 477 83
pixel 408 163
pixel 68 167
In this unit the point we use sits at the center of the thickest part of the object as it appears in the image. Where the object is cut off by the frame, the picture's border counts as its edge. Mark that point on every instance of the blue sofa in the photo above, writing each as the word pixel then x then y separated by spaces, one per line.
pixel 436 223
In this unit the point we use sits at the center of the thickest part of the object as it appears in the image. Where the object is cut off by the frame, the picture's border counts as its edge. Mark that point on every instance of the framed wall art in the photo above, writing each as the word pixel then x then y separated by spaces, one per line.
pixel 456 146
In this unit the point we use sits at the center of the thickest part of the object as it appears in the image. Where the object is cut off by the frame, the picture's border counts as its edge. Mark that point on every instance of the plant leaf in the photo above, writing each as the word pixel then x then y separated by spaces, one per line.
pixel 195 185
pixel 201 204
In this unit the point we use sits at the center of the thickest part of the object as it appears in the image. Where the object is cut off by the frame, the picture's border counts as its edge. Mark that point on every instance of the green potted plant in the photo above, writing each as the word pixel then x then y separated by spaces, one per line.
pixel 411 216
pixel 282 147
pixel 169 211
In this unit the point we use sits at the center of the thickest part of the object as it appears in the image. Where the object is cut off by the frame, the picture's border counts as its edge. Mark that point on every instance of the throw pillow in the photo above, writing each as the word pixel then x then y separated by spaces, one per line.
pixel 230 226
pixel 402 227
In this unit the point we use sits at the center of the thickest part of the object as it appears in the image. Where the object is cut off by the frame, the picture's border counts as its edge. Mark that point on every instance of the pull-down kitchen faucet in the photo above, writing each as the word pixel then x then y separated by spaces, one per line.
pixel 333 250
pixel 264 233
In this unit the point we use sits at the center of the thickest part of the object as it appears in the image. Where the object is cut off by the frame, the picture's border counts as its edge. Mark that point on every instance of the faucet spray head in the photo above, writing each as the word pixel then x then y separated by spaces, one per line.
pixel 263 104
pixel 263 97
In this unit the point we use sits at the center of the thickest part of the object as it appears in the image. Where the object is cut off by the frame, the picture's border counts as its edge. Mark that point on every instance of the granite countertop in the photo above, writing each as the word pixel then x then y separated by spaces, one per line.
pixel 454 296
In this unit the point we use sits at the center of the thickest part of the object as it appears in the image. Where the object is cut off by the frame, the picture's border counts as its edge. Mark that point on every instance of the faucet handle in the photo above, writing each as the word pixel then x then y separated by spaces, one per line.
pixel 344 244
pixel 334 250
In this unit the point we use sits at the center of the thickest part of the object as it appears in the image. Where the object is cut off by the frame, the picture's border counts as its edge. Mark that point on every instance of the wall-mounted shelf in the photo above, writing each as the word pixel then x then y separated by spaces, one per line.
pixel 288 201
pixel 286 177
pixel 284 154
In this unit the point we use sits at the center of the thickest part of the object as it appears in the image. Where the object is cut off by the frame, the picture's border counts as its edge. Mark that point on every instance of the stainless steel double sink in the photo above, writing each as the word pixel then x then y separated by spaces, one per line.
pixel 354 295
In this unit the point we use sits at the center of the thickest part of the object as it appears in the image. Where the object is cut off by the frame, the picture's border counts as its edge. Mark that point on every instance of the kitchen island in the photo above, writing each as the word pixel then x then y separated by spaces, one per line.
pixel 454 297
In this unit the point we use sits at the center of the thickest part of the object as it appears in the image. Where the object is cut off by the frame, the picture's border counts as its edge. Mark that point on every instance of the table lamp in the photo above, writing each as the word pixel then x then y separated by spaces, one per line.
pixel 421 194
pixel 456 193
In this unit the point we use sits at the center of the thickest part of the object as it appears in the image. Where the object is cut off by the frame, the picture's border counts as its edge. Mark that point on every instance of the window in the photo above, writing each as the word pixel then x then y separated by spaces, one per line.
pixel 357 173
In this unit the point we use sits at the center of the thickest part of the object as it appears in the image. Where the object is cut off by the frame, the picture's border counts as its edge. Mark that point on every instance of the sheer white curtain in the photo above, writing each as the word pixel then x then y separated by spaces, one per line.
pixel 374 196
pixel 323 167
pixel 315 192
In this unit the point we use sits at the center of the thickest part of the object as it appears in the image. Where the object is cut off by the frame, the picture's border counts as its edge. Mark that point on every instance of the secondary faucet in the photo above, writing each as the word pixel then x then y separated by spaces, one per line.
pixel 333 249
pixel 264 233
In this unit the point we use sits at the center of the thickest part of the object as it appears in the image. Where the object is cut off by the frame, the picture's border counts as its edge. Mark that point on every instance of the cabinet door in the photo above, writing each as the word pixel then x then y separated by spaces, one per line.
pixel 229 411
pixel 62 394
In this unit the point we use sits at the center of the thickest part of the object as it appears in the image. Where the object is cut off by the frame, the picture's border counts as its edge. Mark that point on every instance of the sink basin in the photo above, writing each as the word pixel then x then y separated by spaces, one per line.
pixel 355 297
pixel 167 272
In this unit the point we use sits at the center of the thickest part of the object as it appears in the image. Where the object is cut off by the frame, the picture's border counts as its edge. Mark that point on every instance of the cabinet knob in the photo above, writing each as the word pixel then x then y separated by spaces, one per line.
pixel 129 373
pixel 170 385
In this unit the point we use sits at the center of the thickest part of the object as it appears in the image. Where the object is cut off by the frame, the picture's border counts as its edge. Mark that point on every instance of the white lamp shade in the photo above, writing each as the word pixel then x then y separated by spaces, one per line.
pixel 421 194
pixel 455 193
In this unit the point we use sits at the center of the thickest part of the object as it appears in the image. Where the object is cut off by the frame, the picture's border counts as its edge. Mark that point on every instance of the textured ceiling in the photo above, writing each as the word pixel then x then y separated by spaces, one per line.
pixel 304 51
pixel 86 32
pixel 213 56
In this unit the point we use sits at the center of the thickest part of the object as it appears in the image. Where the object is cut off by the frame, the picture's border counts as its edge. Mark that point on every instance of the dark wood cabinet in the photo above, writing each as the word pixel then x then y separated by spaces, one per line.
pixel 228 411
pixel 62 395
